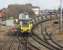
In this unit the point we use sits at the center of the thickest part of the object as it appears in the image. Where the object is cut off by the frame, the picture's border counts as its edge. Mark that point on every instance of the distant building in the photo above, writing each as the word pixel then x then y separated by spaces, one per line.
pixel 2 14
pixel 15 10
pixel 36 10
pixel 48 12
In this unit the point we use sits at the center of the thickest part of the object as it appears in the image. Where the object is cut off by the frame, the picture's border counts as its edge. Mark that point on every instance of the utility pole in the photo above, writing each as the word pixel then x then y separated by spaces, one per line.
pixel 60 17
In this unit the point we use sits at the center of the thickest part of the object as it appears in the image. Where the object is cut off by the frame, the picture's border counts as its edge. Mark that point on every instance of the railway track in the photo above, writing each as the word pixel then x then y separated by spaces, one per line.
pixel 50 41
pixel 14 43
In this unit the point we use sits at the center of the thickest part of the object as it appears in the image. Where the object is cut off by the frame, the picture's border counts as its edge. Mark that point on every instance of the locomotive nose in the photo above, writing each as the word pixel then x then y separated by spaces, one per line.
pixel 24 30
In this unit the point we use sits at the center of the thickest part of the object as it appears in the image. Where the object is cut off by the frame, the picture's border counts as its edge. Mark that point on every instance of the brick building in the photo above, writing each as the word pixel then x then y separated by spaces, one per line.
pixel 2 16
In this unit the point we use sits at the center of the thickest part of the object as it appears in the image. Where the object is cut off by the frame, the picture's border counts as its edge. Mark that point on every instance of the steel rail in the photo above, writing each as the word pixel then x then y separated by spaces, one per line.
pixel 31 45
pixel 51 39
pixel 46 42
pixel 43 44
pixel 54 41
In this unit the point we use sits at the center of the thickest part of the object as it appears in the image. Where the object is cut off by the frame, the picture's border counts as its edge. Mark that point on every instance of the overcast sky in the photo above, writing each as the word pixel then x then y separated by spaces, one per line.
pixel 43 4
